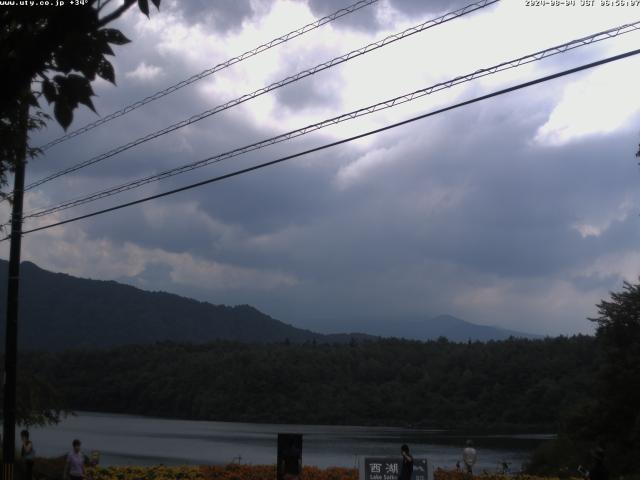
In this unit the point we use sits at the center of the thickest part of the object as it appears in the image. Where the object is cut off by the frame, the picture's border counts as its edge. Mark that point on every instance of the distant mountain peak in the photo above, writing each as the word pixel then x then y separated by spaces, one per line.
pixel 424 327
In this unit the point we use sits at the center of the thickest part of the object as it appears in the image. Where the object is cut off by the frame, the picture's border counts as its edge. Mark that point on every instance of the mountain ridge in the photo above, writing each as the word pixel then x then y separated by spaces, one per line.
pixel 60 311
pixel 423 328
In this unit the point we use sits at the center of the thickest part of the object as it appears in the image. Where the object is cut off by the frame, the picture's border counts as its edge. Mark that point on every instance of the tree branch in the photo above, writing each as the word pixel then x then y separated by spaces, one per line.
pixel 102 4
pixel 116 13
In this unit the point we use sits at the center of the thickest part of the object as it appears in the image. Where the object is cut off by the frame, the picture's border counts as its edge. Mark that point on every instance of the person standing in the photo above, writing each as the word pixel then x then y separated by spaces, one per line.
pixel 28 454
pixel 74 466
pixel 407 463
pixel 597 471
pixel 469 457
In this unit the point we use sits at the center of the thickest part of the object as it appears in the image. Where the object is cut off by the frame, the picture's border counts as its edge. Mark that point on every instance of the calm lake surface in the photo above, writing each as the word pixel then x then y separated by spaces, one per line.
pixel 134 440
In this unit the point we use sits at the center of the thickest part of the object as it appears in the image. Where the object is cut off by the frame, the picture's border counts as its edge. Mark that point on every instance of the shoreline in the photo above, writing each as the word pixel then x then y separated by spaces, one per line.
pixel 495 430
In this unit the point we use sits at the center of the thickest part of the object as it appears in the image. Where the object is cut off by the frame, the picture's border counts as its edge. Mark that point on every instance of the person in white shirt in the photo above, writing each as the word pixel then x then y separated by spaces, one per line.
pixel 469 457
pixel 74 466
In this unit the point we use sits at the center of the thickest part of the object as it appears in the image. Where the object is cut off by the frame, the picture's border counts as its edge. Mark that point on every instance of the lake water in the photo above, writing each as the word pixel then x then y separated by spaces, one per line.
pixel 135 440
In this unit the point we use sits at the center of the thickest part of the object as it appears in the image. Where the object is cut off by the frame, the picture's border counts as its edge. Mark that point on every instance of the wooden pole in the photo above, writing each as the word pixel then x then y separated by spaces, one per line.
pixel 11 334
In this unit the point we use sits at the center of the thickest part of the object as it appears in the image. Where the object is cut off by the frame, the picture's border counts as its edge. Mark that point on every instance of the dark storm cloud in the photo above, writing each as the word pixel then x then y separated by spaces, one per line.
pixel 217 134
pixel 514 220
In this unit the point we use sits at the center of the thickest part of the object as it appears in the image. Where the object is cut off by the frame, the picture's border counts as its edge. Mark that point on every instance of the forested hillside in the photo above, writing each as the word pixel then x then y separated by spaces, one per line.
pixel 59 312
pixel 515 383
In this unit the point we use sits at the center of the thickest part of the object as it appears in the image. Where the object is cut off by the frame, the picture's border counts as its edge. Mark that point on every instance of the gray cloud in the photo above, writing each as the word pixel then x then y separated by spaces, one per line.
pixel 417 7
pixel 367 18
pixel 309 93
pixel 222 15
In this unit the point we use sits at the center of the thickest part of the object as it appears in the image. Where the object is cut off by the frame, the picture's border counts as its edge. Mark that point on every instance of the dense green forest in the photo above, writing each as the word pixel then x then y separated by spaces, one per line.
pixel 515 383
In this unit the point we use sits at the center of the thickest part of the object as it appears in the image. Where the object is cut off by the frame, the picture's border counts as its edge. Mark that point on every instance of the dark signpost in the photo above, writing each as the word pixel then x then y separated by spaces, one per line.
pixel 388 468
pixel 289 456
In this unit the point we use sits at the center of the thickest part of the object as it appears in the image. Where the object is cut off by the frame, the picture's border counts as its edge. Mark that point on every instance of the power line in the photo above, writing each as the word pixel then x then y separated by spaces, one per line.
pixel 389 103
pixel 293 78
pixel 340 142
pixel 210 71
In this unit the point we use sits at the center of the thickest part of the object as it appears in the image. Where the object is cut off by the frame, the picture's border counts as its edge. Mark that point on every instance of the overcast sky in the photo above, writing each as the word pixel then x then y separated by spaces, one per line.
pixel 521 211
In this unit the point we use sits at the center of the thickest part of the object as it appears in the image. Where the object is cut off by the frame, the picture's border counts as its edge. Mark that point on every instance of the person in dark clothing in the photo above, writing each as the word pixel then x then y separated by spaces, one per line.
pixel 597 471
pixel 407 463
pixel 28 454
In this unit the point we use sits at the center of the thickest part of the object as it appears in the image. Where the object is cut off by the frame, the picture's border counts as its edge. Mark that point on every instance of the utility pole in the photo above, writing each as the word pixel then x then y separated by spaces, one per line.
pixel 11 334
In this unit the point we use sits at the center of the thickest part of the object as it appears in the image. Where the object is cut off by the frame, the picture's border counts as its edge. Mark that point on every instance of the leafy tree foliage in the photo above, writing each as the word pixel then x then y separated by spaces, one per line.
pixel 54 53
pixel 609 413
pixel 616 418
pixel 39 402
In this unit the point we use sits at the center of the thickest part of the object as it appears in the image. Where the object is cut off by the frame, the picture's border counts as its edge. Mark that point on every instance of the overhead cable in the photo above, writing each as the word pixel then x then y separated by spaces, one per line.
pixel 261 91
pixel 339 142
pixel 389 103
pixel 210 71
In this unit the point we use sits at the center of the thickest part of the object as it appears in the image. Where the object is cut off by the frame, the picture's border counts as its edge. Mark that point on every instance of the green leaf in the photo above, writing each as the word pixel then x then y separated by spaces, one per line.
pixel 144 6
pixel 73 52
pixel 62 61
pixel 89 64
pixel 87 102
pixel 49 90
pixel 79 91
pixel 104 48
pixel 114 36
pixel 72 90
pixel 105 70
pixel 63 113
pixel 156 3
pixel 79 85
pixel 32 100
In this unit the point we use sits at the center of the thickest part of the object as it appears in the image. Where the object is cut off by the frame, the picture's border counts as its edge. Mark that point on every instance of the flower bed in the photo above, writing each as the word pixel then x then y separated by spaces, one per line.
pixel 229 472
pixel 455 475
pixel 51 470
